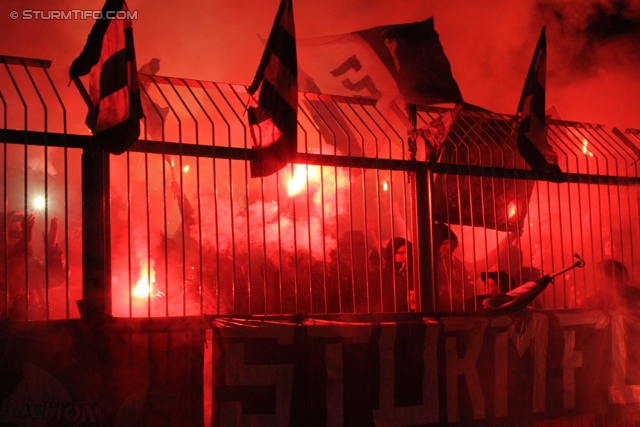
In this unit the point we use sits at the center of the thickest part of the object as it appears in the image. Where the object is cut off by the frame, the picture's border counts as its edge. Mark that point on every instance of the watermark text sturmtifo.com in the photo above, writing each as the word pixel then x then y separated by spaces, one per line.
pixel 30 14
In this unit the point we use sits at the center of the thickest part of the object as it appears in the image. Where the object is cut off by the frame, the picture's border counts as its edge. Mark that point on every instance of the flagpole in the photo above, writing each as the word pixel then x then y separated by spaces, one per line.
pixel 579 263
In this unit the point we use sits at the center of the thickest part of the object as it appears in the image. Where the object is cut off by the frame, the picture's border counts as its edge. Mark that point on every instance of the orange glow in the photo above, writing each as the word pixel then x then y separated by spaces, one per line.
pixel 186 168
pixel 145 282
pixel 298 181
pixel 585 143
pixel 512 209
pixel 39 202
pixel 385 186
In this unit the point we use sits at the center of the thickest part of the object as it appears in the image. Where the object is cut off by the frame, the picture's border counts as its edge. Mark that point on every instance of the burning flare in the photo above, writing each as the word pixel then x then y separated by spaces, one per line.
pixel 585 150
pixel 300 177
pixel 39 203
pixel 144 284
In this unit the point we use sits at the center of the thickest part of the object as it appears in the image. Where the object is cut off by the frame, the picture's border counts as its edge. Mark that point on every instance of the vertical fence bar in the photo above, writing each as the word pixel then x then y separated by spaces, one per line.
pixel 215 188
pixel 25 225
pixel 160 116
pixel 580 133
pixel 232 214
pixel 66 193
pixel 36 291
pixel 622 151
pixel 204 111
pixel 186 236
pixel 351 225
pixel 560 139
pixel 325 265
pixel 5 205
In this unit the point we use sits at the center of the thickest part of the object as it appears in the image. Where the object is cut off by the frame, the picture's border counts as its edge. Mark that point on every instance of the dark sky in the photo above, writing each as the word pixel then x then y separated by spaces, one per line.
pixel 593 60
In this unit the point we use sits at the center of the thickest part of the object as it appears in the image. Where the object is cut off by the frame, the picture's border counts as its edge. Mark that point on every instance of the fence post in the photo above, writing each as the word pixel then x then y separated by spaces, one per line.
pixel 96 273
pixel 423 221
pixel 422 204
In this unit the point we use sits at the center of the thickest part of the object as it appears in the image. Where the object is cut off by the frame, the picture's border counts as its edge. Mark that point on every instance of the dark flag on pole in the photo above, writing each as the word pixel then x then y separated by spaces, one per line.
pixel 516 299
pixel 273 102
pixel 521 296
pixel 114 94
pixel 434 134
pixel 155 115
pixel 532 132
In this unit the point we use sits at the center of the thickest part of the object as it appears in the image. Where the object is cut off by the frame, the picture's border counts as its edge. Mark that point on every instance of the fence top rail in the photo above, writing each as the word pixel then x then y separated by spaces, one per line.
pixel 205 84
pixel 28 62
pixel 213 114
pixel 488 139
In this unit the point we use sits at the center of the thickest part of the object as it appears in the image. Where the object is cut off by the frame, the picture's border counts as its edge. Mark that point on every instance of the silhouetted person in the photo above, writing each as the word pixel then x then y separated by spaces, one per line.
pixel 452 284
pixel 615 288
pixel 496 286
pixel 398 276
pixel 26 298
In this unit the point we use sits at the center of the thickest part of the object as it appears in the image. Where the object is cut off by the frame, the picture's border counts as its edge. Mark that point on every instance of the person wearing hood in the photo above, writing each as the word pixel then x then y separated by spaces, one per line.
pixel 398 293
pixel 452 283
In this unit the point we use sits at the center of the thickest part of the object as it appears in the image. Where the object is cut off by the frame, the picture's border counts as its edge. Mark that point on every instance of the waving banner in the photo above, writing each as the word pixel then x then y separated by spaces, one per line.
pixel 468 370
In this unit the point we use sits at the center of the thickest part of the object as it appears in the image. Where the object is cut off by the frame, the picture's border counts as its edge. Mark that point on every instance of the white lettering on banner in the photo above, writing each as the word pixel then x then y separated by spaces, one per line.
pixel 335 365
pixel 571 358
pixel 464 346
pixel 500 362
pixel 466 366
pixel 388 414
pixel 237 373
pixel 620 393
pixel 522 335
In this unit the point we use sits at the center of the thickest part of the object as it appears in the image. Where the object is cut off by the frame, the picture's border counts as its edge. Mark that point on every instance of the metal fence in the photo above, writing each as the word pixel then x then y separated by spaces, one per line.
pixel 506 219
pixel 309 239
pixel 188 232
pixel 41 249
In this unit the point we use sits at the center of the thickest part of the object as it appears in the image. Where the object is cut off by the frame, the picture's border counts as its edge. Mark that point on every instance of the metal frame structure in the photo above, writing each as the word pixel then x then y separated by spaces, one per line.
pixel 356 180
